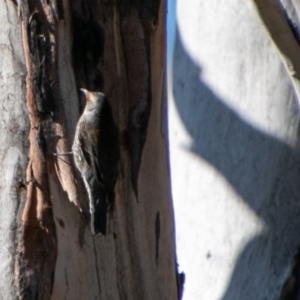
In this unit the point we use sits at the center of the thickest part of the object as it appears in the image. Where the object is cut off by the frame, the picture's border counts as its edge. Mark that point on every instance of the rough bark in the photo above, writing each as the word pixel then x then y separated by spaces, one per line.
pixel 14 145
pixel 52 49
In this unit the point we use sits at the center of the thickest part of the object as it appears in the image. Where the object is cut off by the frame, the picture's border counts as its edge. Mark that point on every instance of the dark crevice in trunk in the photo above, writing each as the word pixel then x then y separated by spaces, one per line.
pixel 88 50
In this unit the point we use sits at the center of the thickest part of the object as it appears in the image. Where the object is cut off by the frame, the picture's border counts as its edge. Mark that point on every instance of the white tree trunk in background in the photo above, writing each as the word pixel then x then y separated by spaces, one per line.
pixel 234 140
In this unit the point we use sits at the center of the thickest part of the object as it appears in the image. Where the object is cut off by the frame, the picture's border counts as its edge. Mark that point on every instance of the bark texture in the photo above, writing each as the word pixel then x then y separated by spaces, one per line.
pixel 51 49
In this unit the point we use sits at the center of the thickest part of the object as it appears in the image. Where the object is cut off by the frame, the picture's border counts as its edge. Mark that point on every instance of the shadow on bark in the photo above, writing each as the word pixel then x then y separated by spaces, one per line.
pixel 263 171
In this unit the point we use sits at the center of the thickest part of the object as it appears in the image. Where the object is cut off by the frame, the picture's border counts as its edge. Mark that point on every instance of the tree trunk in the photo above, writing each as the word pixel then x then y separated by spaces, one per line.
pixel 234 140
pixel 50 49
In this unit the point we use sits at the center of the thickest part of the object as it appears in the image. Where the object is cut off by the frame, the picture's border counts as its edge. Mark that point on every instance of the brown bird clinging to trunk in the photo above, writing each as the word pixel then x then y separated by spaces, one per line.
pixel 96 155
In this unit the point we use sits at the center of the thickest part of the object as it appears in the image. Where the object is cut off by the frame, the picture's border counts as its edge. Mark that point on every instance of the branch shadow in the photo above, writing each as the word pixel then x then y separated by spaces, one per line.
pixel 264 171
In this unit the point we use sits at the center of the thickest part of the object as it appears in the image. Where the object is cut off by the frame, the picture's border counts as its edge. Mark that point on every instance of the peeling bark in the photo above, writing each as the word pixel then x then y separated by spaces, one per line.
pixel 37 248
pixel 282 34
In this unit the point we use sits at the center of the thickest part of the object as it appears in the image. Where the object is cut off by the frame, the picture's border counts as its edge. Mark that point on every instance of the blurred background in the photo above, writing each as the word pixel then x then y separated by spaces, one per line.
pixel 234 151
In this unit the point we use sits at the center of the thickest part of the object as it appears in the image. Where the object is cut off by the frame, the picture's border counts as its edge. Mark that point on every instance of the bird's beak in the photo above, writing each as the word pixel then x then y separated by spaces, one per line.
pixel 85 93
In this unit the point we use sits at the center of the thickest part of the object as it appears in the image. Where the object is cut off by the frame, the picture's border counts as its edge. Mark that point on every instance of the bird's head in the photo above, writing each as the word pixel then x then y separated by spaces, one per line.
pixel 93 100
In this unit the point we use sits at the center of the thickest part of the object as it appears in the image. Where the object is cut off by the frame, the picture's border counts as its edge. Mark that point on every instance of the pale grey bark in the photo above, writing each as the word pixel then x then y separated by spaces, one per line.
pixel 14 125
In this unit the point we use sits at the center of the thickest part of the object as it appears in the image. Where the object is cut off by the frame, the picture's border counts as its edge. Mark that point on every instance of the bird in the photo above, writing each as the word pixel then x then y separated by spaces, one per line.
pixel 96 155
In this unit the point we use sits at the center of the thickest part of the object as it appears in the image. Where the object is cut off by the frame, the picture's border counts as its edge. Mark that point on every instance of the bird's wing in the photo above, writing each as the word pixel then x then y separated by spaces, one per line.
pixel 90 148
pixel 93 182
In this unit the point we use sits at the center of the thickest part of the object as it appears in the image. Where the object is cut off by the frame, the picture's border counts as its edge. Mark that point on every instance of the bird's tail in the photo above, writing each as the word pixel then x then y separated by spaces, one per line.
pixel 99 220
